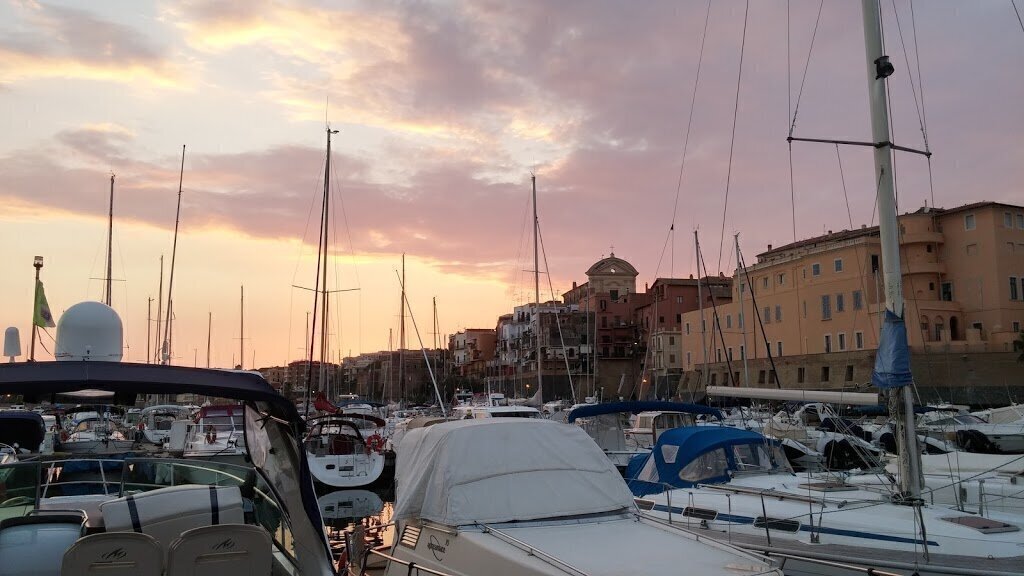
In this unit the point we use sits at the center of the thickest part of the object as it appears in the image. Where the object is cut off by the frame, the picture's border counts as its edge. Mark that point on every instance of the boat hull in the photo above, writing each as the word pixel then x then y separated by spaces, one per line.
pixel 346 470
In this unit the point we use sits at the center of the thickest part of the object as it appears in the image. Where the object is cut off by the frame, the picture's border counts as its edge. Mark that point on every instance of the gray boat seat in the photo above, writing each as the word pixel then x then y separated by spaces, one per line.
pixel 114 554
pixel 34 545
pixel 225 550
pixel 166 513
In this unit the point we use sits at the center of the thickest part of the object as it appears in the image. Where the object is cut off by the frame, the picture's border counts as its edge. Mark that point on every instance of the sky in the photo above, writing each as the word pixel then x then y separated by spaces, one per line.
pixel 444 109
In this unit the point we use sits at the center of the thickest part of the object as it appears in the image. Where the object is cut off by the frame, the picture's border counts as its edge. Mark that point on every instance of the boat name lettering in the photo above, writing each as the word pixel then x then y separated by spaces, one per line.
pixel 436 548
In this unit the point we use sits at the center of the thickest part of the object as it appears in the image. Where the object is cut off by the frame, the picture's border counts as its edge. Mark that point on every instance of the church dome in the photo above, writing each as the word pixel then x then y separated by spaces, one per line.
pixel 612 266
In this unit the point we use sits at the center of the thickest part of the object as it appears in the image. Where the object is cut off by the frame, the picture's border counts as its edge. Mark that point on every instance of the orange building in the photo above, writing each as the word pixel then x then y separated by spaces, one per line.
pixel 807 314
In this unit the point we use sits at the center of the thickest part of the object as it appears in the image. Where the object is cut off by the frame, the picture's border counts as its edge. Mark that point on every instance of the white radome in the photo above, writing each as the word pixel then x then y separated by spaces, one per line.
pixel 89 331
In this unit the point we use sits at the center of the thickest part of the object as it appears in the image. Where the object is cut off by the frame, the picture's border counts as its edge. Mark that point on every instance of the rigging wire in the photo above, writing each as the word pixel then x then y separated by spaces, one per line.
pixel 789 97
pixel 807 65
pixel 686 140
pixel 558 322
pixel 1017 12
pixel 732 140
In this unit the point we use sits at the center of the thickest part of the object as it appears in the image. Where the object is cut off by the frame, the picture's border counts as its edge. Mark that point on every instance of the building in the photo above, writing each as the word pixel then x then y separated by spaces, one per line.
pixel 610 299
pixel 808 314
pixel 564 352
pixel 471 350
pixel 661 326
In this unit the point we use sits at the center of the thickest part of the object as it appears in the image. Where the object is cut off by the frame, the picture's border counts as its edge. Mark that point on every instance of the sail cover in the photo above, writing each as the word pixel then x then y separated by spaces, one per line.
pixel 892 363
pixel 496 470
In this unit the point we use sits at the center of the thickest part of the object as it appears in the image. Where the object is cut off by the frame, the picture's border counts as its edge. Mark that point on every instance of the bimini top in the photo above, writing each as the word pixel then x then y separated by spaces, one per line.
pixel 42 379
pixel 495 470
pixel 21 427
pixel 643 406
pixel 684 457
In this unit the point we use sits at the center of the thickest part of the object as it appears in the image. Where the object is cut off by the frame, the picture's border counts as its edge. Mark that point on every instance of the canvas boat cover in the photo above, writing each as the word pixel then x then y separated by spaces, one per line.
pixel 504 470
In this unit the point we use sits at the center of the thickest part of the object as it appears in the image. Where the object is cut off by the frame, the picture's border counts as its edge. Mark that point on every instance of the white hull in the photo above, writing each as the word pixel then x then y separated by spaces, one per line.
pixel 348 470
pixel 852 523
pixel 557 548
pixel 349 505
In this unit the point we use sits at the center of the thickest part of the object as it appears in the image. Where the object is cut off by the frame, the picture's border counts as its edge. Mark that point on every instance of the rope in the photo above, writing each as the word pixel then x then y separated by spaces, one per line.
pixel 558 323
pixel 910 74
pixel 732 141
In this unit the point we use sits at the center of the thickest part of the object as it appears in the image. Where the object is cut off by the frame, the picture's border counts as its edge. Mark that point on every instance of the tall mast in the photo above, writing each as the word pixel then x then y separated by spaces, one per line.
pixel 159 313
pixel 703 322
pixel 899 393
pixel 401 338
pixel 149 330
pixel 321 258
pixel 174 252
pixel 209 331
pixel 241 329
pixel 536 286
pixel 743 351
pixel 110 244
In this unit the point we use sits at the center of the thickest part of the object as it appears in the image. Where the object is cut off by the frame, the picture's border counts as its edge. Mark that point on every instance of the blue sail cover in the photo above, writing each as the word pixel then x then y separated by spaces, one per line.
pixel 892 363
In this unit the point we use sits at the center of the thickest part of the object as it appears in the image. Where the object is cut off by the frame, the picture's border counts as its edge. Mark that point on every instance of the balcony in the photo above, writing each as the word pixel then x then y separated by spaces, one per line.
pixel 922 237
pixel 923 268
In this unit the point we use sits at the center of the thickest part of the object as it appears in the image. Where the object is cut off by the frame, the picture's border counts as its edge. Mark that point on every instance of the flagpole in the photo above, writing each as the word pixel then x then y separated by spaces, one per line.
pixel 38 265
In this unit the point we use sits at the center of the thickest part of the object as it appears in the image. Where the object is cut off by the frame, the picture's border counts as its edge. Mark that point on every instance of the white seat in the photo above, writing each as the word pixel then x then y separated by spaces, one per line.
pixel 225 550
pixel 166 513
pixel 35 544
pixel 114 553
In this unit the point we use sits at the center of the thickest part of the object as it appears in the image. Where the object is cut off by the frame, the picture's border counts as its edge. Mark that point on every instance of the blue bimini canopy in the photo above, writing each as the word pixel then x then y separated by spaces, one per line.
pixel 684 457
pixel 642 406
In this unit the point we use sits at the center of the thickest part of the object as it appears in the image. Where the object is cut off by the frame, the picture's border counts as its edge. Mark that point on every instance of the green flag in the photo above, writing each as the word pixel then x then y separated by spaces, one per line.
pixel 41 315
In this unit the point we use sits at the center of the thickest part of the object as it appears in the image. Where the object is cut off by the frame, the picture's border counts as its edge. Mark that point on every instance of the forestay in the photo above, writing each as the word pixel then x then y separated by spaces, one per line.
pixel 452 473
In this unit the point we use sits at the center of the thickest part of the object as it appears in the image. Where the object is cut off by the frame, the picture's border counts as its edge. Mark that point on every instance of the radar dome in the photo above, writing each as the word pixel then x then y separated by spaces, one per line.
pixel 89 331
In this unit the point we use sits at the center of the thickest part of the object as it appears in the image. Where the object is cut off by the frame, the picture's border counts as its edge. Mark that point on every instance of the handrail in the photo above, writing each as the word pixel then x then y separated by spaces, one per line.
pixel 533 551
pixel 411 565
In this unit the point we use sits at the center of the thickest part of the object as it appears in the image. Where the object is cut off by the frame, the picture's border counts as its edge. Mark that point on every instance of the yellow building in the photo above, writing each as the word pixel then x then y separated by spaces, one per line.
pixel 815 306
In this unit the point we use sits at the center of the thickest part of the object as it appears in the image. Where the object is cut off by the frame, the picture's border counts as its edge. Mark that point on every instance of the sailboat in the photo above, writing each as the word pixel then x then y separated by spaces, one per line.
pixel 338 453
pixel 737 485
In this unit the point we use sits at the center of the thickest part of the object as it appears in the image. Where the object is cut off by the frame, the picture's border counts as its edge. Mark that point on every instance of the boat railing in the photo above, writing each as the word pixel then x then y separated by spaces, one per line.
pixel 531 550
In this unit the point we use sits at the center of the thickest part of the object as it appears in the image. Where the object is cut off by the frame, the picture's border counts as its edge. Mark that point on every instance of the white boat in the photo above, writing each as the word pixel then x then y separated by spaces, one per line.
pixel 519 497
pixel 96 435
pixel 495 406
pixel 339 455
pixel 156 422
pixel 261 518
pixel 972 433
pixel 608 425
pixel 736 485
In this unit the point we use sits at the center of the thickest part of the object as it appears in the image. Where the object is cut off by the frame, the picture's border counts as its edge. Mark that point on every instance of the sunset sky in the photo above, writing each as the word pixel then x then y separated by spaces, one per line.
pixel 444 109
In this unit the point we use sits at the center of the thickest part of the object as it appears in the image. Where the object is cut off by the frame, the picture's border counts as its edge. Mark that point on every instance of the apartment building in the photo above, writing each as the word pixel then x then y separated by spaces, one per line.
pixel 807 313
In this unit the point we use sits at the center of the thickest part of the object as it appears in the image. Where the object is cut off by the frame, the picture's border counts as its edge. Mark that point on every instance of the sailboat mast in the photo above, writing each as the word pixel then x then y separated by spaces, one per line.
pixel 743 350
pixel 900 399
pixel 241 329
pixel 110 244
pixel 149 329
pixel 209 332
pixel 174 252
pixel 700 304
pixel 401 339
pixel 159 313
pixel 536 286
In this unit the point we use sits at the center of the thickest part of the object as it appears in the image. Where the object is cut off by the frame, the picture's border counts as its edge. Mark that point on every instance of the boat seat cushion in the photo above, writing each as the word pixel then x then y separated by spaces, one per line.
pixel 36 544
pixel 114 553
pixel 225 550
pixel 166 513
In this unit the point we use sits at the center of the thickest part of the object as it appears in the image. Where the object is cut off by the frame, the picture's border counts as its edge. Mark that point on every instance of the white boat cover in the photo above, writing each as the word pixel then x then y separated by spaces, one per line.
pixel 497 470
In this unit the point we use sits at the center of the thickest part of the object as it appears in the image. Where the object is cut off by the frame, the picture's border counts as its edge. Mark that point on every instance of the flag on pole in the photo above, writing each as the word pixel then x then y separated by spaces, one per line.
pixel 41 315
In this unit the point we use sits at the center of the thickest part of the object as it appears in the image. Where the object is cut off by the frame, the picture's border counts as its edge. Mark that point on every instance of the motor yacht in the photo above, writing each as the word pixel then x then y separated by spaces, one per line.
pixel 519 497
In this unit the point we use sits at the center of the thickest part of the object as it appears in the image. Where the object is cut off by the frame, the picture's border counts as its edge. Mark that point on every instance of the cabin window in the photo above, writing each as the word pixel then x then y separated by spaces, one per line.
pixel 709 465
pixel 669 453
pixel 751 457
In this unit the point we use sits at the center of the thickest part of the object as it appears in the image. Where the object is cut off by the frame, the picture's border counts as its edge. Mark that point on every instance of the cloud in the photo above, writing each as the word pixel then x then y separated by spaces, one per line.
pixel 46 41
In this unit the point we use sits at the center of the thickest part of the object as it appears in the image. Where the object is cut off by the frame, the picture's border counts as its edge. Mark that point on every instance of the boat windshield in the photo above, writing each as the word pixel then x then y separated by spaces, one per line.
pixel 515 414
pixel 226 423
